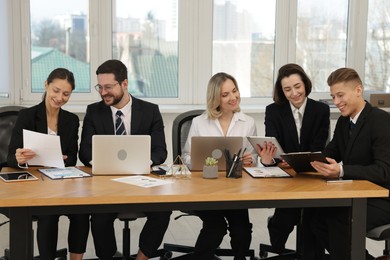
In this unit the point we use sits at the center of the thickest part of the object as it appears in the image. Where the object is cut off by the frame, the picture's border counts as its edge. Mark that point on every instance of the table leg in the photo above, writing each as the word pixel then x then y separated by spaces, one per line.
pixel 20 234
pixel 358 229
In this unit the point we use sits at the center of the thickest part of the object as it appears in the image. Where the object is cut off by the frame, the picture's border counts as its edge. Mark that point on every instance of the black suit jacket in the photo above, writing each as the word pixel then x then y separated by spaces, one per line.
pixel 146 119
pixel 279 123
pixel 366 153
pixel 34 119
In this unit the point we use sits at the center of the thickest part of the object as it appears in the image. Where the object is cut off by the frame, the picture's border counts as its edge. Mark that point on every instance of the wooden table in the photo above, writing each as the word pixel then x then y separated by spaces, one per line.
pixel 22 200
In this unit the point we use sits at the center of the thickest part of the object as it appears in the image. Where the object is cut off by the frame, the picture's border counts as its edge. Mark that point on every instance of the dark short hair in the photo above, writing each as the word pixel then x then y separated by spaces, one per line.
pixel 286 71
pixel 61 73
pixel 115 67
pixel 343 75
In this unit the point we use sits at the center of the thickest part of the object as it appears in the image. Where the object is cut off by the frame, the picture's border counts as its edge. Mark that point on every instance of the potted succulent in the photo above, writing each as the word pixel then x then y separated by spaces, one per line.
pixel 210 169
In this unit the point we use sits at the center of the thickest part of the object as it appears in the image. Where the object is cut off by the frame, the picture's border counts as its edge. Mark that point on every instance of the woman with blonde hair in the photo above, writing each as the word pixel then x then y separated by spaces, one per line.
pixel 223 118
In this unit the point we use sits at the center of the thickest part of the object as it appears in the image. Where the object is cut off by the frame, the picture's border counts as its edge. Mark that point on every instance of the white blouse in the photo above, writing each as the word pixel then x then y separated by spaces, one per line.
pixel 241 125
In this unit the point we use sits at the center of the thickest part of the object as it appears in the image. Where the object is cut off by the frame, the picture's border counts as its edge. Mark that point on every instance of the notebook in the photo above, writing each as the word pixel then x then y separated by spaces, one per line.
pixel 300 161
pixel 120 154
pixel 213 146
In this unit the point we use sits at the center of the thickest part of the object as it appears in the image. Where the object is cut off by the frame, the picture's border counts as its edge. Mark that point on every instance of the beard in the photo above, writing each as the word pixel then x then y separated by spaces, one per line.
pixel 115 99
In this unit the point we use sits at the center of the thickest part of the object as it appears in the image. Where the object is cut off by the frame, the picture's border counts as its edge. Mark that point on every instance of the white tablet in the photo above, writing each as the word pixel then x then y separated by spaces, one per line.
pixel 259 140
pixel 17 176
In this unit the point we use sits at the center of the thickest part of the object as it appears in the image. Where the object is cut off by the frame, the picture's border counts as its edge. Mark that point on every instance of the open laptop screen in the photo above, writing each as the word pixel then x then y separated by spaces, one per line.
pixel 120 154
pixel 207 146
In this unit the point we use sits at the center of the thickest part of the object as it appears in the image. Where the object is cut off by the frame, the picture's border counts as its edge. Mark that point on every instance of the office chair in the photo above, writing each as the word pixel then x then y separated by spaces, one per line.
pixel 8 116
pixel 180 129
pixel 379 234
pixel 126 217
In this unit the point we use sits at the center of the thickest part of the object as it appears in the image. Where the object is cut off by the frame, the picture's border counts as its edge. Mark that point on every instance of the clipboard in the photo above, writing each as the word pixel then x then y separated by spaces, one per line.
pixel 300 161
pixel 65 173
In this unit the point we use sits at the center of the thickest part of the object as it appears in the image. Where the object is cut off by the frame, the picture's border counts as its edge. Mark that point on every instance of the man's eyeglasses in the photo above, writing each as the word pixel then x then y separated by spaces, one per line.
pixel 106 88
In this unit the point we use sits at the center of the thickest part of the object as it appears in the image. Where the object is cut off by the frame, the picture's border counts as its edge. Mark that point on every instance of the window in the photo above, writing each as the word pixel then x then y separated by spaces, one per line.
pixel 244 45
pixel 172 47
pixel 4 53
pixel 145 38
pixel 321 39
pixel 377 62
pixel 59 38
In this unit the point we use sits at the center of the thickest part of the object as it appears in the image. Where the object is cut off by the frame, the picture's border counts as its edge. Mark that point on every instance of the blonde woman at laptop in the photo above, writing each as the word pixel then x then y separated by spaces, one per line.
pixel 223 118
pixel 48 117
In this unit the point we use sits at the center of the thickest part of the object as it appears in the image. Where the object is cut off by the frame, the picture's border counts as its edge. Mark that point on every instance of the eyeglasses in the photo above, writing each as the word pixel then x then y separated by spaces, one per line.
pixel 106 88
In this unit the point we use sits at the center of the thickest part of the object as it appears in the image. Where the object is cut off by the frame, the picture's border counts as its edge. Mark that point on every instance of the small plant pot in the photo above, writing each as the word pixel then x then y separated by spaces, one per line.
pixel 210 172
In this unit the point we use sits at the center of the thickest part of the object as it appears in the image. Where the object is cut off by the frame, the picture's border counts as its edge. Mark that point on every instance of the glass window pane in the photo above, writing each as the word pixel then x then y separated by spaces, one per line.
pixel 4 50
pixel 145 38
pixel 243 43
pixel 321 39
pixel 377 63
pixel 59 38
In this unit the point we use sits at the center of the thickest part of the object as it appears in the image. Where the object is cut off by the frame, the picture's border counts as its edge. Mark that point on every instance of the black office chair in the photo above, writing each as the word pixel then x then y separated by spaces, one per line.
pixel 8 116
pixel 126 217
pixel 180 129
pixel 379 234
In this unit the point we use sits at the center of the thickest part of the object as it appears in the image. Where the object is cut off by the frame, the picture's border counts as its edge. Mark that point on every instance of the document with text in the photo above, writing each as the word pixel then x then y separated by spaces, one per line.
pixel 47 148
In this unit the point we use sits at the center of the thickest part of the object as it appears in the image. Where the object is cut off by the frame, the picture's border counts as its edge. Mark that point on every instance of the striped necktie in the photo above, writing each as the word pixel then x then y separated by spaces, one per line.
pixel 119 125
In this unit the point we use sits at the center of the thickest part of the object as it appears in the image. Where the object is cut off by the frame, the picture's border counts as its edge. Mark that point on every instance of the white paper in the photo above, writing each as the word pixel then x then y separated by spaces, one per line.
pixel 142 181
pixel 47 148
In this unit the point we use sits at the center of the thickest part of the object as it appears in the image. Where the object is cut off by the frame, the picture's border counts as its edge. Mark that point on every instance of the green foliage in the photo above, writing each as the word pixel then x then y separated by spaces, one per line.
pixel 210 161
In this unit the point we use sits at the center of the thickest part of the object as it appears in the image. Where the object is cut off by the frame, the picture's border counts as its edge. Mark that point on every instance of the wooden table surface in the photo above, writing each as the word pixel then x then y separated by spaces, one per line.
pixel 22 200
pixel 103 190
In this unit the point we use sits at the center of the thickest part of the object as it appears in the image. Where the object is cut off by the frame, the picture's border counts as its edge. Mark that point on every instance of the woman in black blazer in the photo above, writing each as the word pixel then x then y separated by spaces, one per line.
pixel 300 124
pixel 48 117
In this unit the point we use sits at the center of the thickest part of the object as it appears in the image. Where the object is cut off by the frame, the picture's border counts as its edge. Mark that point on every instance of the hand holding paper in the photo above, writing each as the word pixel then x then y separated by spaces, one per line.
pixel 46 147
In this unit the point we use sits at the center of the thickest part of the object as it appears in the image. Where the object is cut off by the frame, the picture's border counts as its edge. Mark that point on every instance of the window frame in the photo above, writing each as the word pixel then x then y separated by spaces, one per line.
pixel 194 49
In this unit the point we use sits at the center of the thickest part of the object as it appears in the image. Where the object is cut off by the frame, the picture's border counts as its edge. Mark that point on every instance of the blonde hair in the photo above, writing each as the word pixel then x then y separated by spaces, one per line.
pixel 214 94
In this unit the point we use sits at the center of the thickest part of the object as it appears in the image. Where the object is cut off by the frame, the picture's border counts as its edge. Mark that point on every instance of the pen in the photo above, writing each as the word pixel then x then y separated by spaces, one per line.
pixel 233 165
pixel 243 152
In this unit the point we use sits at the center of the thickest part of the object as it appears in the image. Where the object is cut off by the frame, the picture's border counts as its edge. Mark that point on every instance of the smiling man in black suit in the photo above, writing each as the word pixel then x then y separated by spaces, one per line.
pixel 359 150
pixel 138 118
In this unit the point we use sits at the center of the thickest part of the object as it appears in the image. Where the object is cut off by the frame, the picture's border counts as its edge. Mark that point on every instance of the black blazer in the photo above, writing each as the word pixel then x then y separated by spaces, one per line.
pixel 279 123
pixel 34 119
pixel 366 153
pixel 146 119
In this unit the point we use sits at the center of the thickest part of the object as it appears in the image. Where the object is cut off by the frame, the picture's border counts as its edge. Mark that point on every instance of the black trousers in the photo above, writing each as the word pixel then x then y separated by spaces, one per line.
pixel 282 224
pixel 47 234
pixel 215 226
pixel 332 226
pixel 152 234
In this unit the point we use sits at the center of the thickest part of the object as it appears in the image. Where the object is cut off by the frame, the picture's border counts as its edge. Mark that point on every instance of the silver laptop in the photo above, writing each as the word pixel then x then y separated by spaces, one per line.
pixel 213 146
pixel 120 154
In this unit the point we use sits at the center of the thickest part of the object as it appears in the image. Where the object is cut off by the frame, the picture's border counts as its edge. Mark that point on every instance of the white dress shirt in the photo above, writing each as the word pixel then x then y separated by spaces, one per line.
pixel 126 117
pixel 241 125
pixel 298 117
